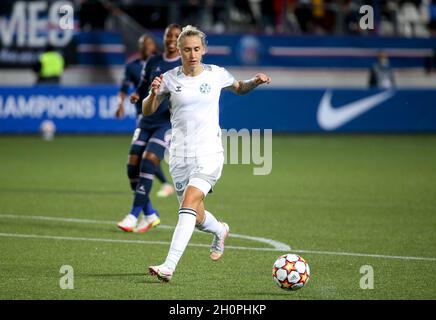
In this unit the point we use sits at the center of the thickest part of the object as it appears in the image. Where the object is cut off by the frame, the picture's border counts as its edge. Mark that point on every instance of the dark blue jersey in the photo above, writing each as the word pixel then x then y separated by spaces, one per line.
pixel 132 77
pixel 154 68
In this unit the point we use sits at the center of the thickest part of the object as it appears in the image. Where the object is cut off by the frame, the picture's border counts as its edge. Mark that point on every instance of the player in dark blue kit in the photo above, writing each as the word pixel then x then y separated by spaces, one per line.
pixel 132 77
pixel 151 133
pixel 132 72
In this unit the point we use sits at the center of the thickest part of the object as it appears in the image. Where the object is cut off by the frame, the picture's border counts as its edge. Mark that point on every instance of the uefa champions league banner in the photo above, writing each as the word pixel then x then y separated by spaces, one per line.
pixel 72 109
pixel 92 110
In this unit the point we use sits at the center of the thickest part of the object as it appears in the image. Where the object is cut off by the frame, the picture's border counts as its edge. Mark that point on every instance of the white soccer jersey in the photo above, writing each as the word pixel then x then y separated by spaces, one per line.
pixel 195 110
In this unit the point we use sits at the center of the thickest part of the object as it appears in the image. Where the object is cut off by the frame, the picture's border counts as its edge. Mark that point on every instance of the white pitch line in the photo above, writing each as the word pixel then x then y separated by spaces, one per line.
pixel 47 237
pixel 280 246
pixel 369 255
pixel 36 236
pixel 13 216
pixel 288 249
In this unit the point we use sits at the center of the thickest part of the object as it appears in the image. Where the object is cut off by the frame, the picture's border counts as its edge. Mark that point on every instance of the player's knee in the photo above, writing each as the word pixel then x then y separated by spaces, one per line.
pixel 150 156
pixel 192 198
pixel 147 166
pixel 133 159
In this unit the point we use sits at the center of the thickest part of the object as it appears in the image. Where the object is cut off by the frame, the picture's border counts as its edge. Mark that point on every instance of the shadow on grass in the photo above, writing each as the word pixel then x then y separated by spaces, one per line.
pixel 105 275
pixel 269 294
pixel 145 278
pixel 154 281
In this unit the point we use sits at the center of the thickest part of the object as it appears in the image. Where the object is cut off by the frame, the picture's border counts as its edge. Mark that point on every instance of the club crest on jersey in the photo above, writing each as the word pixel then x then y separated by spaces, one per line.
pixel 205 88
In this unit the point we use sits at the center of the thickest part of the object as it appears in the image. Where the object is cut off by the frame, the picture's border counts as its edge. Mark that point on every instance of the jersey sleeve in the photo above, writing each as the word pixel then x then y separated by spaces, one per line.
pixel 226 78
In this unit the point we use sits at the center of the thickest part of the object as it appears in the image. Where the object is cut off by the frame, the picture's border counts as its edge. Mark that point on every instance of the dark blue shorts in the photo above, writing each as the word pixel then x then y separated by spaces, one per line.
pixel 155 140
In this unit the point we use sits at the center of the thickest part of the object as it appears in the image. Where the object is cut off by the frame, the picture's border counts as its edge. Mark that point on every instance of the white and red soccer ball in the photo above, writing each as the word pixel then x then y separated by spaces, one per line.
pixel 48 129
pixel 290 272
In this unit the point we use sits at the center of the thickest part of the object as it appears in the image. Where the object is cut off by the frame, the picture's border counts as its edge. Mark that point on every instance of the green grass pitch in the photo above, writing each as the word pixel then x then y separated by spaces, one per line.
pixel 340 201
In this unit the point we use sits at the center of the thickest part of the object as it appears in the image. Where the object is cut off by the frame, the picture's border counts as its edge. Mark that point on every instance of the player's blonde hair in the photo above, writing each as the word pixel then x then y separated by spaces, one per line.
pixel 190 31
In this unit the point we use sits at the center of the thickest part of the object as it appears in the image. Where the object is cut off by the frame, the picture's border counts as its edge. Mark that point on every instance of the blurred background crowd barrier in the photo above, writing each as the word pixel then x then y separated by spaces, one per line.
pixel 308 47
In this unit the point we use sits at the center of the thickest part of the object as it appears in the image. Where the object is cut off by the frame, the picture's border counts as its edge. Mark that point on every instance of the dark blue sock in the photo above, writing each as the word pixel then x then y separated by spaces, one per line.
pixel 136 211
pixel 149 210
pixel 143 188
pixel 160 175
pixel 133 174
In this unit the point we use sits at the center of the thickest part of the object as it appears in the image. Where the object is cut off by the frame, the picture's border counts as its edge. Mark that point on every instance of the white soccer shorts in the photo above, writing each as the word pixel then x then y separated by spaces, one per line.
pixel 200 172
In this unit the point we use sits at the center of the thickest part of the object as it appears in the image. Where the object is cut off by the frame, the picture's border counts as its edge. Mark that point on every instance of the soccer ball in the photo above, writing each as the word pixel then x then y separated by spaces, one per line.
pixel 48 129
pixel 290 272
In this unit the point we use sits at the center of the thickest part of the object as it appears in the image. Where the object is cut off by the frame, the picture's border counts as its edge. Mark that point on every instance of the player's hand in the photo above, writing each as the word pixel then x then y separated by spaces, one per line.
pixel 155 85
pixel 134 97
pixel 119 114
pixel 261 78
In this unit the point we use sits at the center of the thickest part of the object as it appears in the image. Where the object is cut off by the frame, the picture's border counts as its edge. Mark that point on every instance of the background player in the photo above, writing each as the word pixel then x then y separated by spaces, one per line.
pixel 151 133
pixel 381 74
pixel 132 77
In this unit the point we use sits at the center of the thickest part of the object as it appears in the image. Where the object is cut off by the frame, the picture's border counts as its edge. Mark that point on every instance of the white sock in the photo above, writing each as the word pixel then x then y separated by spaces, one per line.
pixel 132 217
pixel 211 224
pixel 151 217
pixel 182 234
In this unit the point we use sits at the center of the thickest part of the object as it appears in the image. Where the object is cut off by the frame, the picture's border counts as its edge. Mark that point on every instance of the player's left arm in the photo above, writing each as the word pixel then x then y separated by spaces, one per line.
pixel 244 86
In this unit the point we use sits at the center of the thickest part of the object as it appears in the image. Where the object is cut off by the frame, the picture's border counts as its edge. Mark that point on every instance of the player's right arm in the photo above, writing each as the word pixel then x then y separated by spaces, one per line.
pixel 153 100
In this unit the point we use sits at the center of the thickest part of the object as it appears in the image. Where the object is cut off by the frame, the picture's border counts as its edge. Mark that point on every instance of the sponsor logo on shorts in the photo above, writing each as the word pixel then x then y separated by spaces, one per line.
pixel 179 186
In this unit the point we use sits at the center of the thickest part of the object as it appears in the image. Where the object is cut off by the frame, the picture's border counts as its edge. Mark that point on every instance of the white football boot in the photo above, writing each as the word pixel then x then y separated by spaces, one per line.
pixel 128 224
pixel 165 190
pixel 147 222
pixel 217 248
pixel 162 272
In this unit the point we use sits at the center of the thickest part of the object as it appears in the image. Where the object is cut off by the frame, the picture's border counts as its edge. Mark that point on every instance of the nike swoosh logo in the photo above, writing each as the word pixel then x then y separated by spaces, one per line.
pixel 330 118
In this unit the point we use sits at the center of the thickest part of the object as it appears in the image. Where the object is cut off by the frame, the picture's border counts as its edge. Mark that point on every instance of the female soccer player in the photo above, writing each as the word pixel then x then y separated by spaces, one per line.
pixel 196 151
